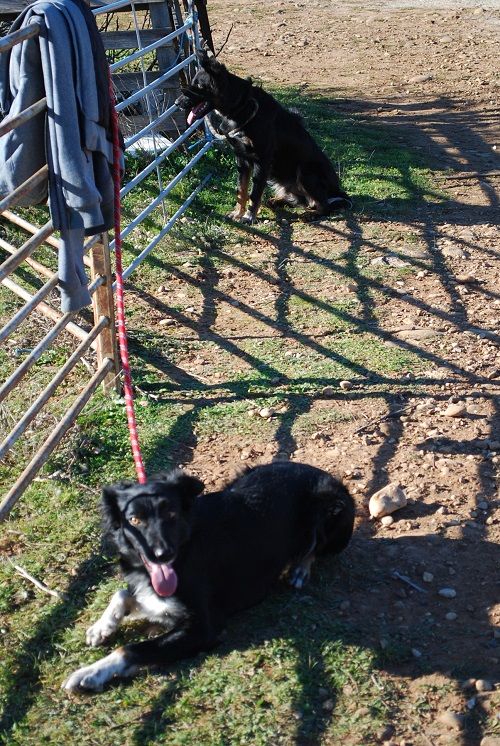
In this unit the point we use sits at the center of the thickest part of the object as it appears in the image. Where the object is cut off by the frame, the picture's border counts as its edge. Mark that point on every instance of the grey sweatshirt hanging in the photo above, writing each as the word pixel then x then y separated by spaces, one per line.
pixel 69 136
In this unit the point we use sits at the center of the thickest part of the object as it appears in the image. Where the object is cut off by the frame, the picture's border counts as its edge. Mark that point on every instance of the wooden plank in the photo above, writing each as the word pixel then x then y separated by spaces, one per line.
pixel 128 39
pixel 104 306
pixel 9 9
pixel 131 82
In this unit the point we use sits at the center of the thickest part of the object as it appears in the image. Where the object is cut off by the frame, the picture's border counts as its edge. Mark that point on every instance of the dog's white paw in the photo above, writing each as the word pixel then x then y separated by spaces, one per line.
pixel 234 214
pixel 99 633
pixel 94 677
pixel 248 218
pixel 84 679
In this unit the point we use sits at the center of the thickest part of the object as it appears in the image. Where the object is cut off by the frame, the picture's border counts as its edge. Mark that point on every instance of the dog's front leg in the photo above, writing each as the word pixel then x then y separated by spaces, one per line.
pixel 260 174
pixel 243 167
pixel 125 661
pixel 122 603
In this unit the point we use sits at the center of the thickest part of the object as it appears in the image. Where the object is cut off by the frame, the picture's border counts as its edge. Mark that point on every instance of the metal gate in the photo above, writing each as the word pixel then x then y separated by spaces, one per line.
pixel 97 338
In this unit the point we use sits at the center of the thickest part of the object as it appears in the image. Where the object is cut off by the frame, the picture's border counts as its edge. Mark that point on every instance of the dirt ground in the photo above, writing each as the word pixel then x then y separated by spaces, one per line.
pixel 431 74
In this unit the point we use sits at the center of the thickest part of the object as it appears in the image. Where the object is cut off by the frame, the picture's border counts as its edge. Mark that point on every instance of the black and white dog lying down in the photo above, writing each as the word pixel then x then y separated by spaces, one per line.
pixel 269 142
pixel 192 560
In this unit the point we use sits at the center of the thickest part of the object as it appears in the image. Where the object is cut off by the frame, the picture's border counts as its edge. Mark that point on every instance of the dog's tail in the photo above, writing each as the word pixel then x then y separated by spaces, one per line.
pixel 338 511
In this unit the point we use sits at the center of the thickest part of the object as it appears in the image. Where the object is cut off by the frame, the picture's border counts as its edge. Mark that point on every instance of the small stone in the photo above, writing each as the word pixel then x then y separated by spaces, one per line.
pixel 421 78
pixel 345 385
pixel 344 605
pixel 471 703
pixel 322 692
pixel 447 592
pixel 445 39
pixel 329 391
pixel 387 500
pixel 466 279
pixel 468 684
pixel 266 412
pixel 416 653
pixel 482 505
pixel 452 719
pixel 427 577
pixel 328 705
pixel 455 410
pixel 166 322
pixel 490 741
pixel 451 616
pixel 483 685
pixel 387 520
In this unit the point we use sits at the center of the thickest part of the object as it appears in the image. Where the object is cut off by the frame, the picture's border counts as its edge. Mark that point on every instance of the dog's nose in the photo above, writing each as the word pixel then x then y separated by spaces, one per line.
pixel 163 555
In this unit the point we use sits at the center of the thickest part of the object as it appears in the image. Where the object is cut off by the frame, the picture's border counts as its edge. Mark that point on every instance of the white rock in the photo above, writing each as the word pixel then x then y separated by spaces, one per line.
pixel 455 410
pixel 387 500
pixel 483 685
pixel 345 385
pixel 387 520
pixel 427 577
pixel 451 616
pixel 447 592
pixel 452 719
pixel 266 412
pixel 416 653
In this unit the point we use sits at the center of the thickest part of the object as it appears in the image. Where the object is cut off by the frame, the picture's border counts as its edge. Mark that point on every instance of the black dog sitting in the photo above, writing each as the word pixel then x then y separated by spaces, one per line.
pixel 191 561
pixel 267 138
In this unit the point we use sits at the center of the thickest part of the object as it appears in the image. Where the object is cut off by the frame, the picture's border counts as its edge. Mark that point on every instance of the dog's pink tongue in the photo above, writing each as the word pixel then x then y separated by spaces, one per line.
pixel 163 578
pixel 193 114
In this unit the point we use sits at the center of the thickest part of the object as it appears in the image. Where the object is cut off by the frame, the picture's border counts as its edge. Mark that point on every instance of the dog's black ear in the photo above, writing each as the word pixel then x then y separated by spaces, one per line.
pixel 111 508
pixel 189 487
pixel 208 61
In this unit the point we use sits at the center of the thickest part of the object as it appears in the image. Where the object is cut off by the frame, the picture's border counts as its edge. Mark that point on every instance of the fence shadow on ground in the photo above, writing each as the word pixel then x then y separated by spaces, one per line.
pixel 364 572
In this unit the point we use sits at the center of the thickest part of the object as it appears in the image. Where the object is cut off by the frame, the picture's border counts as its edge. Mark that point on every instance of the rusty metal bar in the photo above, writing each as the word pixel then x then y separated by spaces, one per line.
pixel 61 374
pixel 23 312
pixel 44 308
pixel 40 268
pixel 16 37
pixel 35 355
pixel 25 250
pixel 10 123
pixel 25 188
pixel 40 348
pixel 29 227
pixel 53 440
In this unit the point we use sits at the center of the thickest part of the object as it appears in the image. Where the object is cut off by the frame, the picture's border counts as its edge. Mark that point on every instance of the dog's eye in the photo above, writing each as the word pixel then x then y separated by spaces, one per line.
pixel 134 520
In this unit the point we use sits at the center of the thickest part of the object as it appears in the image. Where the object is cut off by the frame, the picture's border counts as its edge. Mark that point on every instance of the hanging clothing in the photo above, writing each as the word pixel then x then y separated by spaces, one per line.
pixel 67 64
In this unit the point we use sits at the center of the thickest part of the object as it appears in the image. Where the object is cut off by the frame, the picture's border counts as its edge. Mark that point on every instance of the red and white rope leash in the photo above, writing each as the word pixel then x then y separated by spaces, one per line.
pixel 120 305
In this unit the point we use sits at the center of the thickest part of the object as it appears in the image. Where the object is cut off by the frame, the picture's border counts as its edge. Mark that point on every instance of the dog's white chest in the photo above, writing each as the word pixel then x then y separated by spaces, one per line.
pixel 155 608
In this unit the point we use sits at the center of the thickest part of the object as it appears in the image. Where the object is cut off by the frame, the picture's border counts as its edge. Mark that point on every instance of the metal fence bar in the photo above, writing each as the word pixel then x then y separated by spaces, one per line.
pixel 158 82
pixel 44 271
pixel 23 312
pixel 10 123
pixel 35 355
pixel 165 229
pixel 111 7
pixel 44 308
pixel 61 374
pixel 150 47
pixel 159 159
pixel 16 37
pixel 152 125
pixel 53 440
pixel 25 188
pixel 29 227
pixel 152 205
pixel 26 249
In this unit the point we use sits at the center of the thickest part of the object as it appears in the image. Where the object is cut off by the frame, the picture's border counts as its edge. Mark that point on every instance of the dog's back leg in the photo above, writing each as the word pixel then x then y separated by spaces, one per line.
pixel 243 167
pixel 259 180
